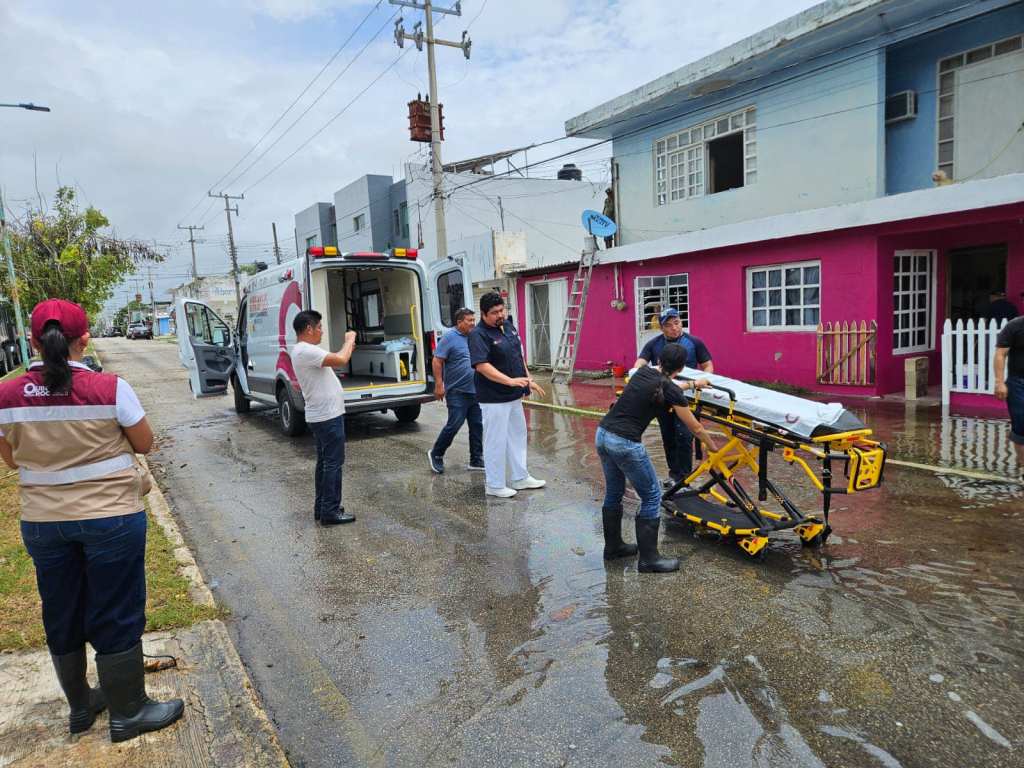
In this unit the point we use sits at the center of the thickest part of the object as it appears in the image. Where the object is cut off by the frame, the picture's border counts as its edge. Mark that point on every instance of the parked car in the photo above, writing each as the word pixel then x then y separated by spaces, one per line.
pixel 139 331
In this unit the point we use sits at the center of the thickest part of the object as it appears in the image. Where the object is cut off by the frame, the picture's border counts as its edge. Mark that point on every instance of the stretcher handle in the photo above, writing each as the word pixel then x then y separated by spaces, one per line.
pixel 729 392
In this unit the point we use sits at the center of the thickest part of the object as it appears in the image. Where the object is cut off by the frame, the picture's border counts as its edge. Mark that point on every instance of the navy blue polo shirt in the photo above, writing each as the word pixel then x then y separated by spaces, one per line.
pixel 696 351
pixel 501 348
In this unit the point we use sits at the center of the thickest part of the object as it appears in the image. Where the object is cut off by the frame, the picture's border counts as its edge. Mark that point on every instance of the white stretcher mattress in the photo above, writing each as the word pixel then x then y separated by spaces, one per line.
pixel 797 415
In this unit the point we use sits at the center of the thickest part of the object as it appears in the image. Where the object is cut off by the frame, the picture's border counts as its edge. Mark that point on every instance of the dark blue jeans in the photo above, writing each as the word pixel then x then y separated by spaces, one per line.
pixel 92 581
pixel 462 407
pixel 678 442
pixel 622 459
pixel 330 456
pixel 1015 404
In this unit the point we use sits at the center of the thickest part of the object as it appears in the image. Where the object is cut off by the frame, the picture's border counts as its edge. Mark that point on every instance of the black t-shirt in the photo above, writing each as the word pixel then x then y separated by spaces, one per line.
pixel 501 348
pixel 635 409
pixel 1012 337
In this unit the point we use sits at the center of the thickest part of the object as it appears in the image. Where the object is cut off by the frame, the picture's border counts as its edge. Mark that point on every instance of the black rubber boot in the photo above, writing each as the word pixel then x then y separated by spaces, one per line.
pixel 85 702
pixel 647 539
pixel 131 711
pixel 338 518
pixel 614 546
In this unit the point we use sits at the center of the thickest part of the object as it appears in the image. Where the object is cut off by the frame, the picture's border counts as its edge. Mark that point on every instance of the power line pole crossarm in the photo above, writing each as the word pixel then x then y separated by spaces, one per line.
pixel 231 238
pixel 435 118
pixel 192 241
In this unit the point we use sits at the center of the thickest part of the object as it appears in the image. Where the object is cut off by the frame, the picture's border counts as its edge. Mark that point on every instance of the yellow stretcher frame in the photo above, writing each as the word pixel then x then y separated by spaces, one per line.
pixel 747 446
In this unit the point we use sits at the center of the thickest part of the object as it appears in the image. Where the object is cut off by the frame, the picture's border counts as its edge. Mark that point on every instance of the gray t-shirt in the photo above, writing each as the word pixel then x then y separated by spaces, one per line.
pixel 321 388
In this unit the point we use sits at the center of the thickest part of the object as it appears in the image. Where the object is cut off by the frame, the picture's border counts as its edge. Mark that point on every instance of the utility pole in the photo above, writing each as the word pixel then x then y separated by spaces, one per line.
pixel 231 238
pixel 192 241
pixel 435 119
pixel 277 248
pixel 152 301
pixel 501 213
pixel 15 298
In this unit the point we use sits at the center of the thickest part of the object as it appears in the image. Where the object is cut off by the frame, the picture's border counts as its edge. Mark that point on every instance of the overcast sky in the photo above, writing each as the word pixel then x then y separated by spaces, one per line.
pixel 154 102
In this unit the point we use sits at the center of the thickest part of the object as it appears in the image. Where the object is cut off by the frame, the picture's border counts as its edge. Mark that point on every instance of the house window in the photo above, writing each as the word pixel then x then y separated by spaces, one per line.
pixel 715 156
pixel 359 223
pixel 784 297
pixel 656 294
pixel 452 296
pixel 403 218
pixel 947 93
pixel 913 276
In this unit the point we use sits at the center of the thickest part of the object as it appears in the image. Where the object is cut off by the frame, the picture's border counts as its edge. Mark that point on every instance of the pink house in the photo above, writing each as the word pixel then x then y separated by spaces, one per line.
pixel 756 291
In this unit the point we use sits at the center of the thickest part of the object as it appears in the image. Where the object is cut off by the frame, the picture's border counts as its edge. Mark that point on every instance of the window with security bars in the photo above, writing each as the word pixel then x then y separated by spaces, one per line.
pixel 784 297
pixel 947 93
pixel 656 294
pixel 912 298
pixel 680 170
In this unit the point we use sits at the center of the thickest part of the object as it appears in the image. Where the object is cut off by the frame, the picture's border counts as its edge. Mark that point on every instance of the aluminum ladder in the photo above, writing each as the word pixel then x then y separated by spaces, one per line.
pixel 572 327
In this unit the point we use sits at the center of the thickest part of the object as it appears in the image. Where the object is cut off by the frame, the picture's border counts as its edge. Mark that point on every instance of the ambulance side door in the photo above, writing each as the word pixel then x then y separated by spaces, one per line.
pixel 447 289
pixel 205 347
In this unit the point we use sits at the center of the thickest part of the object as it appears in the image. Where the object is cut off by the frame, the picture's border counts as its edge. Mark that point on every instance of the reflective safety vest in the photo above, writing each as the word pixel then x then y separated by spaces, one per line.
pixel 75 462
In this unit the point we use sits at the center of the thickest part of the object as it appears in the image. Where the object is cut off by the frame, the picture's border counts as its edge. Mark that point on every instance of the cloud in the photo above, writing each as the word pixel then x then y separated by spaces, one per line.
pixel 151 106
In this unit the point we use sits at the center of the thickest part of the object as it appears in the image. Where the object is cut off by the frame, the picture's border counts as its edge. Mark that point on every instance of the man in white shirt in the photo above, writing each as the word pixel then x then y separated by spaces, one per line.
pixel 325 410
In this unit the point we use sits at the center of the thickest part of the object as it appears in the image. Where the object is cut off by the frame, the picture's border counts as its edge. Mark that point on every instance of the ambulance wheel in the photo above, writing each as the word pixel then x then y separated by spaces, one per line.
pixel 242 403
pixel 408 413
pixel 292 421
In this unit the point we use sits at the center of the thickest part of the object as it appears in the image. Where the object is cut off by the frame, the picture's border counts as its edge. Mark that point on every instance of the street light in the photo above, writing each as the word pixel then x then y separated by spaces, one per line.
pixel 9 255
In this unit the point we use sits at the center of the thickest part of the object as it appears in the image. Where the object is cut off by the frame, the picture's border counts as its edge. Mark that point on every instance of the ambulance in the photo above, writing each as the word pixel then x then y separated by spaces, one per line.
pixel 397 305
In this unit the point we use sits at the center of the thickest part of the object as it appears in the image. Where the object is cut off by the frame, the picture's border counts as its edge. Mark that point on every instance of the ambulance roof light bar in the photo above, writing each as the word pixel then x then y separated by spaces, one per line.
pixel 320 251
pixel 405 253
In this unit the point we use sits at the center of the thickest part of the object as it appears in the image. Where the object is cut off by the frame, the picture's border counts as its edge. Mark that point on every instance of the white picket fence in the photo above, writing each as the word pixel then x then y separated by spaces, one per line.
pixel 967 352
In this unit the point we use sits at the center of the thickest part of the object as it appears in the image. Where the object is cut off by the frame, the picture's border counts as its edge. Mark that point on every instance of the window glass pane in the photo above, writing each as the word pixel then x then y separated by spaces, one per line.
pixel 946 129
pixel 951 63
pixel 775 298
pixel 677 280
pixel 905 339
pixel 775 317
pixel 451 294
pixel 758 279
pixel 736 121
pixel 684 138
pixel 792 297
pixel 751 115
pixel 904 300
pixel 947 83
pixel 760 318
pixel 660 147
pixel 775 278
pixel 811 295
pixel 920 338
pixel 946 106
pixel 793 317
pixel 751 163
pixel 905 283
pixel 812 275
pixel 793 276
pixel 946 152
pixel 709 131
pixel 979 54
pixel 760 299
pixel 1013 44
pixel 811 316
pixel 751 177
pixel 722 126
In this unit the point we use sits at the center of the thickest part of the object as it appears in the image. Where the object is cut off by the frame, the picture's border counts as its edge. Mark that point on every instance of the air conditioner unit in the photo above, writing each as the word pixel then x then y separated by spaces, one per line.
pixel 901 106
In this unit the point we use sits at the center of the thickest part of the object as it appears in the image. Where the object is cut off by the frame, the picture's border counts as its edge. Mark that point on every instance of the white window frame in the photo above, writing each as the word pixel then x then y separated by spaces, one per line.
pixel 685 154
pixel 946 91
pixel 663 283
pixel 782 327
pixel 929 292
pixel 359 222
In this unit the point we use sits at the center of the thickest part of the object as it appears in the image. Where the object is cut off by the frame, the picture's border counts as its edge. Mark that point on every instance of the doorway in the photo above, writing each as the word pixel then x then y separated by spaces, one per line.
pixel 974 273
pixel 545 312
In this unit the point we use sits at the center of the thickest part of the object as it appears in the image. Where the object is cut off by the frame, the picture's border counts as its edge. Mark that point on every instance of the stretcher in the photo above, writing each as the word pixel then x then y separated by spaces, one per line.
pixel 830 446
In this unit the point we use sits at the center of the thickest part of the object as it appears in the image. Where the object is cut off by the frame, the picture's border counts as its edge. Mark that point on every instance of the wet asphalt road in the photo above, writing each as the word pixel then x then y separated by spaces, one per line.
pixel 445 629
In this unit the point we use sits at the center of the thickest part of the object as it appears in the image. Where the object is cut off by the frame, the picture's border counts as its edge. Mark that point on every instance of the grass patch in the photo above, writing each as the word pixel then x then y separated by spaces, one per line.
pixel 167 605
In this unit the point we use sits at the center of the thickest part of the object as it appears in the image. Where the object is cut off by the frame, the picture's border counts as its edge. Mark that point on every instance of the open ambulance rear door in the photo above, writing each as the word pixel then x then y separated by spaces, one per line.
pixel 447 288
pixel 205 347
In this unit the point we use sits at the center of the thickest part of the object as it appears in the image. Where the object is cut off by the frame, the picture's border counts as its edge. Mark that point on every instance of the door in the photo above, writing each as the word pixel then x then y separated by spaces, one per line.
pixel 241 346
pixel 204 347
pixel 546 309
pixel 446 293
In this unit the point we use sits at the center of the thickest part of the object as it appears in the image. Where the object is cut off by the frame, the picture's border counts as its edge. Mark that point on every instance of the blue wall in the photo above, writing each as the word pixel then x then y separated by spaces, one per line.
pixel 910 156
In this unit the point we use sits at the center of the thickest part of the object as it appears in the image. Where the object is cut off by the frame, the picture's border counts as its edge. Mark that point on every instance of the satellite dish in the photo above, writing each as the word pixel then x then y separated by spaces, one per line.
pixel 598 224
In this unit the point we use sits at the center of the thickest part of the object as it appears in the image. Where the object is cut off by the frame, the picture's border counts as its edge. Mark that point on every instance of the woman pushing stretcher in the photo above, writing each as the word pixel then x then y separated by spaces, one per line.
pixel 619 444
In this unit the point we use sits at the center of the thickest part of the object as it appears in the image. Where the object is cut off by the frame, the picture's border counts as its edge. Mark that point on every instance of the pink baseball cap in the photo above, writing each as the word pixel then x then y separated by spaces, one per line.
pixel 71 317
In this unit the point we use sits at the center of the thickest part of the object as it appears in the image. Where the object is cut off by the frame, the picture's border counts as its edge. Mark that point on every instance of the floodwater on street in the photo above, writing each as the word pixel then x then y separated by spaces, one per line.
pixel 448 629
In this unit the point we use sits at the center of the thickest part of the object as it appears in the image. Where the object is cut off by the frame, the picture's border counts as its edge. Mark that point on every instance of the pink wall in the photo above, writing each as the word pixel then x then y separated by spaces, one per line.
pixel 857 285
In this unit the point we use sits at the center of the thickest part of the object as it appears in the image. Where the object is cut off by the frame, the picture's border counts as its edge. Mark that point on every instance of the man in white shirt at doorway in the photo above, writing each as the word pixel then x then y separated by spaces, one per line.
pixel 325 411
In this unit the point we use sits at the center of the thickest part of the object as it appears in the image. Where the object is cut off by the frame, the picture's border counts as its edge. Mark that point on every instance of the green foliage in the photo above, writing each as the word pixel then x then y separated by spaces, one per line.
pixel 63 253
pixel 124 313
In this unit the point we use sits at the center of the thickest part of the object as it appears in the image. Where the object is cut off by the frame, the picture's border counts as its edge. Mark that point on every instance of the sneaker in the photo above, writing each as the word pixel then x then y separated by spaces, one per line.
pixel 501 493
pixel 436 464
pixel 476 466
pixel 528 483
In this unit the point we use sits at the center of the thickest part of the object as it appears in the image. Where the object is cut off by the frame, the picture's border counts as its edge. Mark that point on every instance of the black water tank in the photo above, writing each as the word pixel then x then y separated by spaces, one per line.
pixel 569 172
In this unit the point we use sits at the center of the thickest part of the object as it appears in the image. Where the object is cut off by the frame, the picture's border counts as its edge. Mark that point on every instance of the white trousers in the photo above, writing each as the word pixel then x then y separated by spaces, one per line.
pixel 504 442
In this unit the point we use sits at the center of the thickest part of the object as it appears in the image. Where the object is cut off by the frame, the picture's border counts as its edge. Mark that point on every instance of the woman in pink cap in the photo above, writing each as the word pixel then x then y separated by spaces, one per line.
pixel 72 434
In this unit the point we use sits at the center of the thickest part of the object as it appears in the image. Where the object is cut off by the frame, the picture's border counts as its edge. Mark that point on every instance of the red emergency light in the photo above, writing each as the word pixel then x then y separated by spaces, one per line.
pixel 319 251
pixel 404 253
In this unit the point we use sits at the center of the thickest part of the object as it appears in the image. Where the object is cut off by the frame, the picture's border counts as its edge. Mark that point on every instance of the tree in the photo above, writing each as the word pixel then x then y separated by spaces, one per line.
pixel 124 313
pixel 64 254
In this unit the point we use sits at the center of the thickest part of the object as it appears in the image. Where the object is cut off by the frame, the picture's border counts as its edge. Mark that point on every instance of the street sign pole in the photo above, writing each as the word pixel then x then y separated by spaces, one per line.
pixel 15 298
